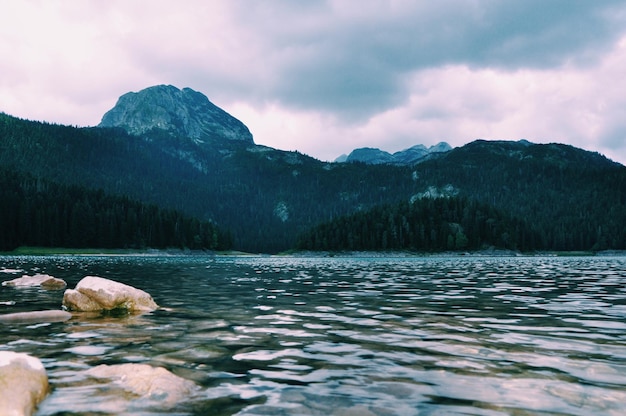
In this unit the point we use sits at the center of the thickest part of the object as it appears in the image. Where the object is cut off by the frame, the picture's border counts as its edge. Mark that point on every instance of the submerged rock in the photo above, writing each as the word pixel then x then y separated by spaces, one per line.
pixel 94 293
pixel 147 382
pixel 39 280
pixel 35 316
pixel 23 383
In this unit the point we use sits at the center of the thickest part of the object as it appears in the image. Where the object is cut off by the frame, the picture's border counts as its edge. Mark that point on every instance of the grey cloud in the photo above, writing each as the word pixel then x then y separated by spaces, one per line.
pixel 537 33
pixel 346 86
pixel 357 65
pixel 367 71
pixel 613 139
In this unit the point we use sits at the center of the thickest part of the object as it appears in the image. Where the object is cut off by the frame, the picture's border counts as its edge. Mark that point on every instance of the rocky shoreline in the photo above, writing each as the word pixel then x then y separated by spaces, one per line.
pixel 23 380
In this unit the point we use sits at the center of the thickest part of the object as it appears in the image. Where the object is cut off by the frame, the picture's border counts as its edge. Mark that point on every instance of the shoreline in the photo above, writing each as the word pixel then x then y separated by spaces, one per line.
pixel 61 251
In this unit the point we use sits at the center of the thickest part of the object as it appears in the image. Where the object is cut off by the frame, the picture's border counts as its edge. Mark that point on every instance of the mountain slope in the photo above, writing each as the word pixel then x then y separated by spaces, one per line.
pixel 577 199
pixel 37 212
pixel 262 195
pixel 427 224
pixel 266 197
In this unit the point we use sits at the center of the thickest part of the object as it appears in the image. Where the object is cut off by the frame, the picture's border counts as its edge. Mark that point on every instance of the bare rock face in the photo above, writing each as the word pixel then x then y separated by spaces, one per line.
pixel 94 293
pixel 39 280
pixel 23 383
pixel 147 382
pixel 410 156
pixel 185 112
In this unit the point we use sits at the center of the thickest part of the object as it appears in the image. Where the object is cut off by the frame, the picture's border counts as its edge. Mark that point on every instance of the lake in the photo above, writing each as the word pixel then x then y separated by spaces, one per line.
pixel 340 336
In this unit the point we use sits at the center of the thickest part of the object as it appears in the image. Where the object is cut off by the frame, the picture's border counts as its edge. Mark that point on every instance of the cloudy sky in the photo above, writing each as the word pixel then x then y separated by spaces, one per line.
pixel 325 77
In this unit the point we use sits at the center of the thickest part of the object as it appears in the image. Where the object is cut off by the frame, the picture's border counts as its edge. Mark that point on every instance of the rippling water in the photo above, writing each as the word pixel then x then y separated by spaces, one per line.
pixel 346 336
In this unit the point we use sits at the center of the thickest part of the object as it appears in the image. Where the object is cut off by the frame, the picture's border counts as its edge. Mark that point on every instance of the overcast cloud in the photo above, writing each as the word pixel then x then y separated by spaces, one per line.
pixel 325 77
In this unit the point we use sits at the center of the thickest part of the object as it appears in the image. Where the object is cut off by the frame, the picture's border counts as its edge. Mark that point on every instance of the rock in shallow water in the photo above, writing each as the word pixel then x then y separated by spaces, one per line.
pixel 35 316
pixel 94 293
pixel 23 383
pixel 147 382
pixel 39 280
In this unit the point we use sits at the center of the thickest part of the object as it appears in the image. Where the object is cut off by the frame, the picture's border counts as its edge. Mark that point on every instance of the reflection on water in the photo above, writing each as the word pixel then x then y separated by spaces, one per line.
pixel 353 336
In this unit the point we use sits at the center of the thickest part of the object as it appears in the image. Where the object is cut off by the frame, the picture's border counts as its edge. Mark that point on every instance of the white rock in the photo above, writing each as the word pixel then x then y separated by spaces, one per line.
pixel 44 280
pixel 23 383
pixel 94 293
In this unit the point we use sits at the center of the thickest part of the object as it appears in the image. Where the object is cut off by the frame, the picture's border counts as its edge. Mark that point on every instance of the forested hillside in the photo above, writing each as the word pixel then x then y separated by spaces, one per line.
pixel 265 198
pixel 37 212
pixel 575 199
pixel 428 224
pixel 510 195
pixel 262 195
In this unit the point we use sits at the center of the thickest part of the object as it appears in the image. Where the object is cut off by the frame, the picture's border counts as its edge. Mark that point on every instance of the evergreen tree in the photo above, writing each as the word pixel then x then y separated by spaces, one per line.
pixel 441 224
pixel 36 212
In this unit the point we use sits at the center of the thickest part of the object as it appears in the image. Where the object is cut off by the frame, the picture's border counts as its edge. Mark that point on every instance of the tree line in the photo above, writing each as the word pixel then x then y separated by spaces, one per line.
pixel 428 224
pixel 37 212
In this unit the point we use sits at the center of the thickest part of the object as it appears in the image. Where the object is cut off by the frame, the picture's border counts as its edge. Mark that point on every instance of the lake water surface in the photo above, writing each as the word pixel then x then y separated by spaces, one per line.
pixel 340 336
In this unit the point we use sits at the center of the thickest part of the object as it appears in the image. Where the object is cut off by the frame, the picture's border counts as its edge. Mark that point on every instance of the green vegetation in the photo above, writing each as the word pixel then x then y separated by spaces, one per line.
pixel 36 212
pixel 441 224
pixel 575 200
pixel 51 251
pixel 226 183
pixel 262 199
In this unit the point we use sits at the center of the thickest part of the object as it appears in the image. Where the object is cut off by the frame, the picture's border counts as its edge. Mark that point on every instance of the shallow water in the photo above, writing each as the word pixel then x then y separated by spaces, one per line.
pixel 352 336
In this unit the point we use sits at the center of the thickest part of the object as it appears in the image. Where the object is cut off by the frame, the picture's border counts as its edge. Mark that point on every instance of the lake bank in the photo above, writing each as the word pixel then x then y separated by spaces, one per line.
pixel 51 251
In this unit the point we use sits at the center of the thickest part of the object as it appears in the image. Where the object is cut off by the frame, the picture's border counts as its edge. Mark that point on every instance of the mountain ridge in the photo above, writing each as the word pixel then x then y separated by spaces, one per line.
pixel 263 196
pixel 409 156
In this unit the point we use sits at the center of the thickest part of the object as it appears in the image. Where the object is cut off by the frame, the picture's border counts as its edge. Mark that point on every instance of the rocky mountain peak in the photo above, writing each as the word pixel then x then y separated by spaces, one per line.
pixel 414 154
pixel 183 112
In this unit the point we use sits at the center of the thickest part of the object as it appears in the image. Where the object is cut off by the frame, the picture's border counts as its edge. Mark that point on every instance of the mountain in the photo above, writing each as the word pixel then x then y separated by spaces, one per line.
pixel 512 195
pixel 183 112
pixel 410 156
pixel 264 198
pixel 369 155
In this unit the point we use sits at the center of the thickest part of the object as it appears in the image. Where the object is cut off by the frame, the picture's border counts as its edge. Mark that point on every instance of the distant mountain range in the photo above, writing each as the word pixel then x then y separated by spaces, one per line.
pixel 176 149
pixel 410 156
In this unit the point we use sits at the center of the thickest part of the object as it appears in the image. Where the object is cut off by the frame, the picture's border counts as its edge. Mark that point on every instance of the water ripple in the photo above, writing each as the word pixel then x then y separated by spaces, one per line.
pixel 367 336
